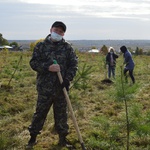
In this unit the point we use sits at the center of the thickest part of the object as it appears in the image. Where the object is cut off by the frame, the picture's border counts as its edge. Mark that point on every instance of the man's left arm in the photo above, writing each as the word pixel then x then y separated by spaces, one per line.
pixel 72 65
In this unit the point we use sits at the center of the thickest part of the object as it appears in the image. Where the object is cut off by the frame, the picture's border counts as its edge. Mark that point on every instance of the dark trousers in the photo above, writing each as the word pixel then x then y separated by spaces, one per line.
pixel 130 74
pixel 42 108
pixel 111 71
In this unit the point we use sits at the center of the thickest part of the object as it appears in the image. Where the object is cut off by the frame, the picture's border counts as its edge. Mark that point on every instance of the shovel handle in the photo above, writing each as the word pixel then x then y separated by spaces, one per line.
pixel 71 109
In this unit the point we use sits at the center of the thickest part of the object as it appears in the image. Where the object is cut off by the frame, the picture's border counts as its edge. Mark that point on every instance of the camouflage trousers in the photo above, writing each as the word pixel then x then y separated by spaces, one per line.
pixel 43 106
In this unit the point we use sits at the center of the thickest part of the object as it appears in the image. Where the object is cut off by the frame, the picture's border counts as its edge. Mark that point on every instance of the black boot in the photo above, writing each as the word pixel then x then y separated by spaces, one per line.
pixel 32 141
pixel 64 142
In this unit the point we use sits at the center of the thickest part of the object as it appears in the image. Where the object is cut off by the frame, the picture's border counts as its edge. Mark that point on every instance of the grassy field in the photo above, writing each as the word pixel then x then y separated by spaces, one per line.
pixel 111 116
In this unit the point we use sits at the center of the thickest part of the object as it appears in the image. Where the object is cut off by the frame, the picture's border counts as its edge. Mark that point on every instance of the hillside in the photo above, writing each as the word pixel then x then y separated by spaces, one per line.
pixel 84 45
pixel 99 106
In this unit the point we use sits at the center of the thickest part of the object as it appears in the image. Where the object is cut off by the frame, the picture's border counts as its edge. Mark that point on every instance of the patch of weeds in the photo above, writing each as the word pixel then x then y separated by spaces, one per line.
pixel 101 122
pixel 6 142
pixel 143 141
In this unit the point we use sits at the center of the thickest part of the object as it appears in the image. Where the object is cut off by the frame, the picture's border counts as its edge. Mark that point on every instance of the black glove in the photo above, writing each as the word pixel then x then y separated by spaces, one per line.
pixel 65 84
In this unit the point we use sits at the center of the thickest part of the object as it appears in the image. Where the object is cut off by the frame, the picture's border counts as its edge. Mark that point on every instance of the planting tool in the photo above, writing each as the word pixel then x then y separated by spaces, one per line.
pixel 71 110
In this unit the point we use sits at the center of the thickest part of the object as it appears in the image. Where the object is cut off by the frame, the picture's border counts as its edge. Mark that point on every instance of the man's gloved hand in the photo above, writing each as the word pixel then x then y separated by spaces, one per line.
pixel 66 84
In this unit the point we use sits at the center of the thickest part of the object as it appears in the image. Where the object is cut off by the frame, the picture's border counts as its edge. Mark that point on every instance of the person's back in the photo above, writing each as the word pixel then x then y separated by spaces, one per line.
pixel 129 63
pixel 128 60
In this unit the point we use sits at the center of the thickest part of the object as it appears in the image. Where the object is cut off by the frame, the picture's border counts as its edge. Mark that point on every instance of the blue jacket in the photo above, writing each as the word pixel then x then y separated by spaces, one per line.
pixel 128 60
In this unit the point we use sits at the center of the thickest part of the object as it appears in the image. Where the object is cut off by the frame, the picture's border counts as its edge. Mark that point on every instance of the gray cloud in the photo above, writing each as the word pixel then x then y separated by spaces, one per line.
pixel 93 19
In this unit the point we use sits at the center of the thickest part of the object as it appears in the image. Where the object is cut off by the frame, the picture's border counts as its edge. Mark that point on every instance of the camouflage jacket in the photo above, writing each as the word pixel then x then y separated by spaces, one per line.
pixel 43 55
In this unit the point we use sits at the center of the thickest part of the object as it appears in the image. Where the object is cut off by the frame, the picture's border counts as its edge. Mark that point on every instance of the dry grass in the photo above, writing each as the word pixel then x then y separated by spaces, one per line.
pixel 100 115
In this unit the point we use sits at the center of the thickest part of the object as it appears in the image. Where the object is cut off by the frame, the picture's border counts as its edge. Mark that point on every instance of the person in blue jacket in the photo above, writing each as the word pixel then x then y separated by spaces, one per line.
pixel 129 63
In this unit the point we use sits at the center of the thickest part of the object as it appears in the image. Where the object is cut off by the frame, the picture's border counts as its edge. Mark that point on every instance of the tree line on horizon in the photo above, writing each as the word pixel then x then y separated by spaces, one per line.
pixel 4 41
pixel 104 48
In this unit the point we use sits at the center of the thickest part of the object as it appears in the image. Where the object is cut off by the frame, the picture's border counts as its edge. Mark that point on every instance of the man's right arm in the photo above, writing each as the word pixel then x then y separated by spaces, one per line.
pixel 38 61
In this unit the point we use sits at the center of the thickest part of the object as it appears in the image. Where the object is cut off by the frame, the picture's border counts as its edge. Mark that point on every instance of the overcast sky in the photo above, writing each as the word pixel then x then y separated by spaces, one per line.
pixel 85 19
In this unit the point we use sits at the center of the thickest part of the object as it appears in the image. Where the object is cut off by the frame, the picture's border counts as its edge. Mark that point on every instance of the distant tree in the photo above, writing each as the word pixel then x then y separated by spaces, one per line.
pixel 104 50
pixel 3 41
pixel 139 51
pixel 15 44
pixel 148 52
pixel 94 47
pixel 32 44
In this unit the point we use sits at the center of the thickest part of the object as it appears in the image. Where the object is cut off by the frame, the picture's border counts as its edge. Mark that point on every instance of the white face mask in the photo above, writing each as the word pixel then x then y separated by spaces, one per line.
pixel 56 36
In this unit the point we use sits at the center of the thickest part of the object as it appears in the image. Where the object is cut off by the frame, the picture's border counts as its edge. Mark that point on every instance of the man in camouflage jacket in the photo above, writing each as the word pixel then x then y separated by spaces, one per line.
pixel 49 89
